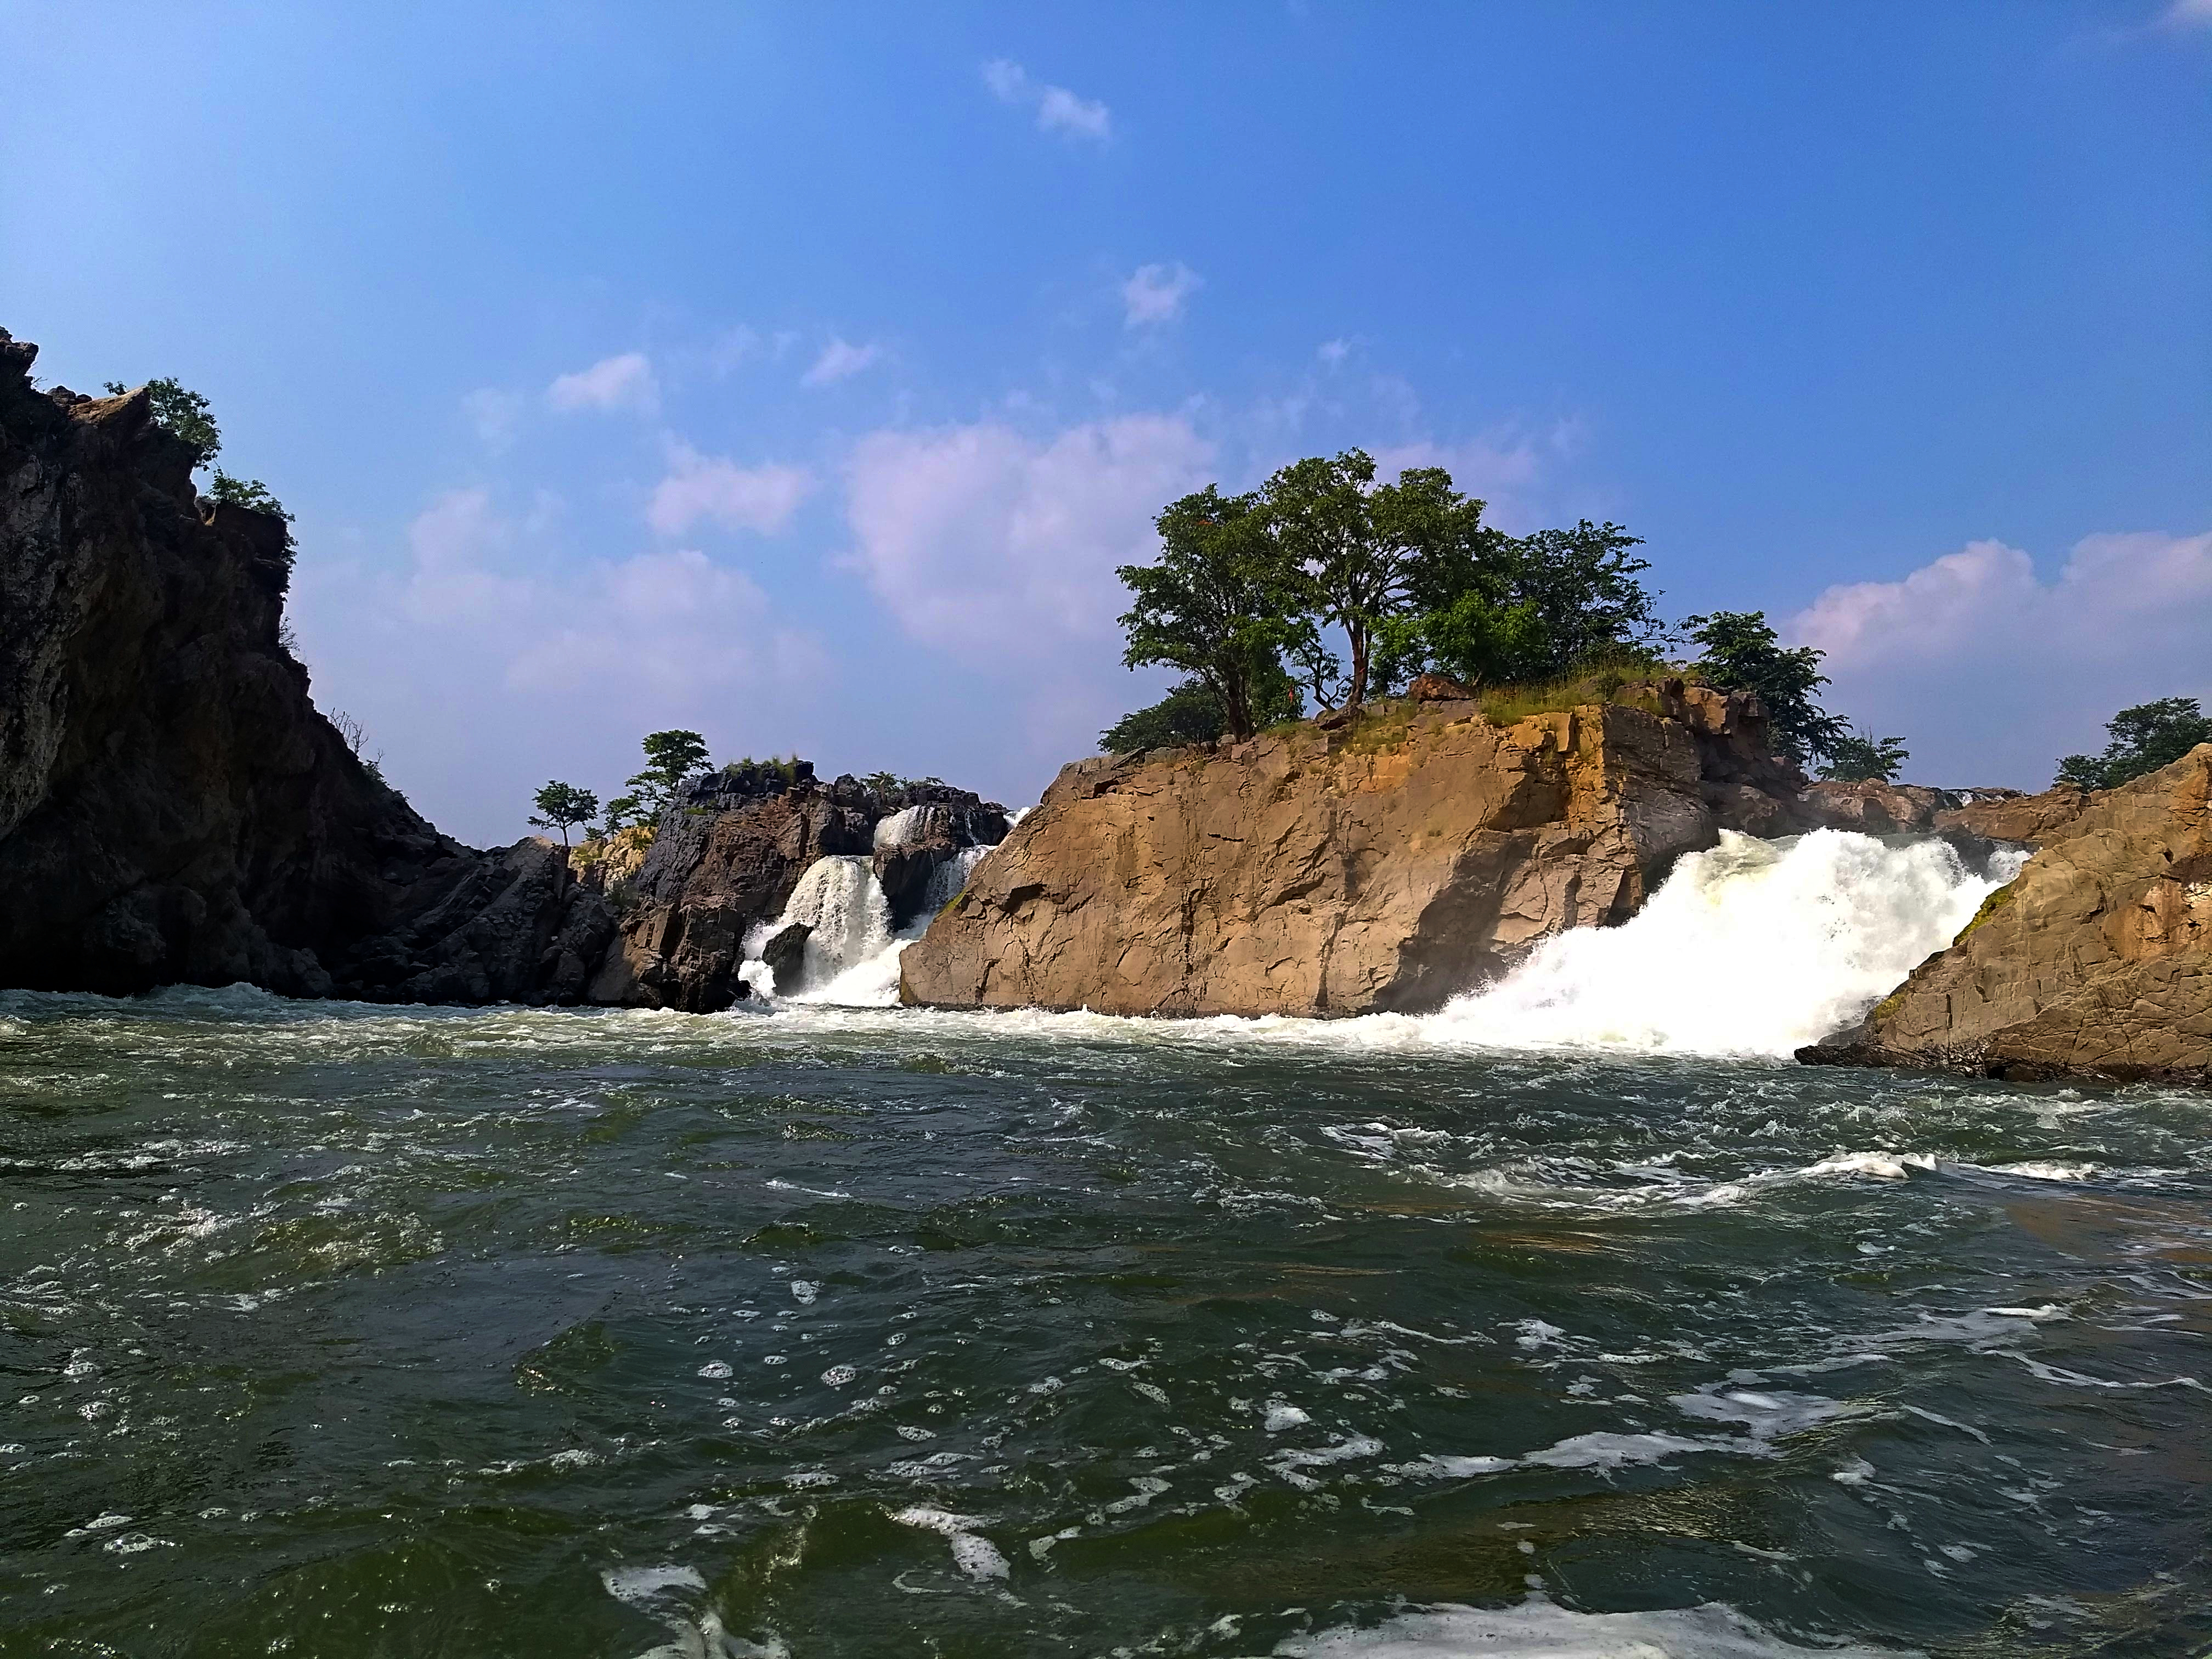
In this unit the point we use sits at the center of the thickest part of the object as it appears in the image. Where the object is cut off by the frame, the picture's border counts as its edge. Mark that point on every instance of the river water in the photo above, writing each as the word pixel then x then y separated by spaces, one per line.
pixel 830 1331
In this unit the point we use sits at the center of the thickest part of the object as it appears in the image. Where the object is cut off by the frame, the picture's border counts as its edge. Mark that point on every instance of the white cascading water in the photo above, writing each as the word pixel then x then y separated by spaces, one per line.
pixel 1755 947
pixel 852 952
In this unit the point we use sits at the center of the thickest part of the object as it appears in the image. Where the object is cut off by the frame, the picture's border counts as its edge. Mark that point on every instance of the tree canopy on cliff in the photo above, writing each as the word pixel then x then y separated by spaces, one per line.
pixel 561 805
pixel 2141 739
pixel 1742 651
pixel 1192 713
pixel 1860 757
pixel 1218 605
pixel 672 759
pixel 181 413
pixel 1405 575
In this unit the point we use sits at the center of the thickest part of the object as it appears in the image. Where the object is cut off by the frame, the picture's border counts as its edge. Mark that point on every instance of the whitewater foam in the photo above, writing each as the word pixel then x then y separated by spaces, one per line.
pixel 1753 947
pixel 1541 1628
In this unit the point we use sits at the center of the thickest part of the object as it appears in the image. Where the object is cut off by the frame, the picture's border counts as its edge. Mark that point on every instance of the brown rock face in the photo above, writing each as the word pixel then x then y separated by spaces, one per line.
pixel 2096 962
pixel 1385 864
pixel 2006 815
pixel 1874 808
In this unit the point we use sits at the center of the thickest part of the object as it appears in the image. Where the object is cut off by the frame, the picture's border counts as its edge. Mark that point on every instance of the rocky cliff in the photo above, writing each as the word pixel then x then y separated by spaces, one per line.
pixel 173 808
pixel 733 847
pixel 2096 961
pixel 1388 863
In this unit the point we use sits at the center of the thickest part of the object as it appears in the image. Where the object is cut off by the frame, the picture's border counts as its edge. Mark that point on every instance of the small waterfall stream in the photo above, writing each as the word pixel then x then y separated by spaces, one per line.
pixel 852 948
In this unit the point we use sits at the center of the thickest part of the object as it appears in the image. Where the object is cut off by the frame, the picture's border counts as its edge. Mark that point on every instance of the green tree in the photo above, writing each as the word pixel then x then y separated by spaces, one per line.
pixel 1192 713
pixel 2141 739
pixel 559 804
pixel 1366 554
pixel 1582 592
pixel 1502 609
pixel 671 758
pixel 182 414
pixel 1742 651
pixel 250 493
pixel 1858 757
pixel 1217 603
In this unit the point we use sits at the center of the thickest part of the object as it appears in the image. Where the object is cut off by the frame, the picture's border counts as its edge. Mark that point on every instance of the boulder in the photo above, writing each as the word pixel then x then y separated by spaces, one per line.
pixel 2096 962
pixel 785 953
pixel 1386 863
pixel 1874 808
pixel 1440 688
pixel 2008 815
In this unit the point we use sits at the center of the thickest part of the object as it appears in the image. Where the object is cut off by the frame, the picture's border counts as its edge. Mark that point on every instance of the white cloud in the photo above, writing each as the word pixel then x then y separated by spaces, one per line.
pixel 2188 15
pixel 454 543
pixel 493 413
pixel 1507 467
pixel 731 347
pixel 1058 109
pixel 838 361
pixel 979 539
pixel 1332 352
pixel 675 622
pixel 613 383
pixel 1990 672
pixel 758 498
pixel 1156 293
pixel 565 660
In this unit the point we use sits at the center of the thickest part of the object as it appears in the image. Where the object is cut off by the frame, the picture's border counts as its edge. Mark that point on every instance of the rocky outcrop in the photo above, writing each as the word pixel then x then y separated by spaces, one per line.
pixel 728 853
pixel 1387 863
pixel 171 806
pixel 2096 961
pixel 2008 815
pixel 1875 808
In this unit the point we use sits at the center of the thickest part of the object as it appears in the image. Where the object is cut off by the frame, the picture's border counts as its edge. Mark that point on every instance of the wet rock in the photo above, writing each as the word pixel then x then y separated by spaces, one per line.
pixel 785 953
pixel 2095 961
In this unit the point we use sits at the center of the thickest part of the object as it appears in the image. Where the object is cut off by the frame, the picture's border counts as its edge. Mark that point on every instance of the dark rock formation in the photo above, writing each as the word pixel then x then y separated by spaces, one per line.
pixel 1439 688
pixel 2096 962
pixel 727 855
pixel 172 808
pixel 784 953
pixel 1383 863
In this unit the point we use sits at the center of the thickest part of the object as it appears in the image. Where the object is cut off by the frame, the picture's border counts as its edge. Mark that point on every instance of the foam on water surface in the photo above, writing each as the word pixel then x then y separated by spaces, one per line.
pixel 1541 1629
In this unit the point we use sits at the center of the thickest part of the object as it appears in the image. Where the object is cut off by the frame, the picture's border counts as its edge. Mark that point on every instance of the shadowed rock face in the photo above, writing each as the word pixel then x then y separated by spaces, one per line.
pixel 1387 864
pixel 2096 962
pixel 172 807
pixel 727 855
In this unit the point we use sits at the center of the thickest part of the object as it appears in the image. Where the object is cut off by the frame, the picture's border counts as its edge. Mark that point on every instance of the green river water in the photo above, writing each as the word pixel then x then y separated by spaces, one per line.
pixel 340 1330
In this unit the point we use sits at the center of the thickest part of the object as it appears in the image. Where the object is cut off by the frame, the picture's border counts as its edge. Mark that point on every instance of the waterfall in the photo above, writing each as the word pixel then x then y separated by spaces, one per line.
pixel 1754 947
pixel 852 953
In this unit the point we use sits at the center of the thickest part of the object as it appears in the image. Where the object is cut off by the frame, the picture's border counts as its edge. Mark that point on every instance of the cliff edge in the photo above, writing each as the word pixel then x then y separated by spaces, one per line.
pixel 2096 961
pixel 172 808
pixel 1388 863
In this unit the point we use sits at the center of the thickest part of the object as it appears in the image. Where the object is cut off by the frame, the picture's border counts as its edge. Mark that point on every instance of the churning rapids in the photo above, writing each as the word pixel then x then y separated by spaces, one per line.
pixel 1565 1321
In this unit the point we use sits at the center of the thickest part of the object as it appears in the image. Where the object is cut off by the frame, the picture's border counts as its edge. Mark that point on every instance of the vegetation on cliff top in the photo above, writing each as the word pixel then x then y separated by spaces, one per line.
pixel 1249 593
pixel 185 415
pixel 2141 739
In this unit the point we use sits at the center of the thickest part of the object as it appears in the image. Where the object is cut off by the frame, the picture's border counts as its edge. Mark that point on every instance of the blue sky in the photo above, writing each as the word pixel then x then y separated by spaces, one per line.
pixel 800 374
